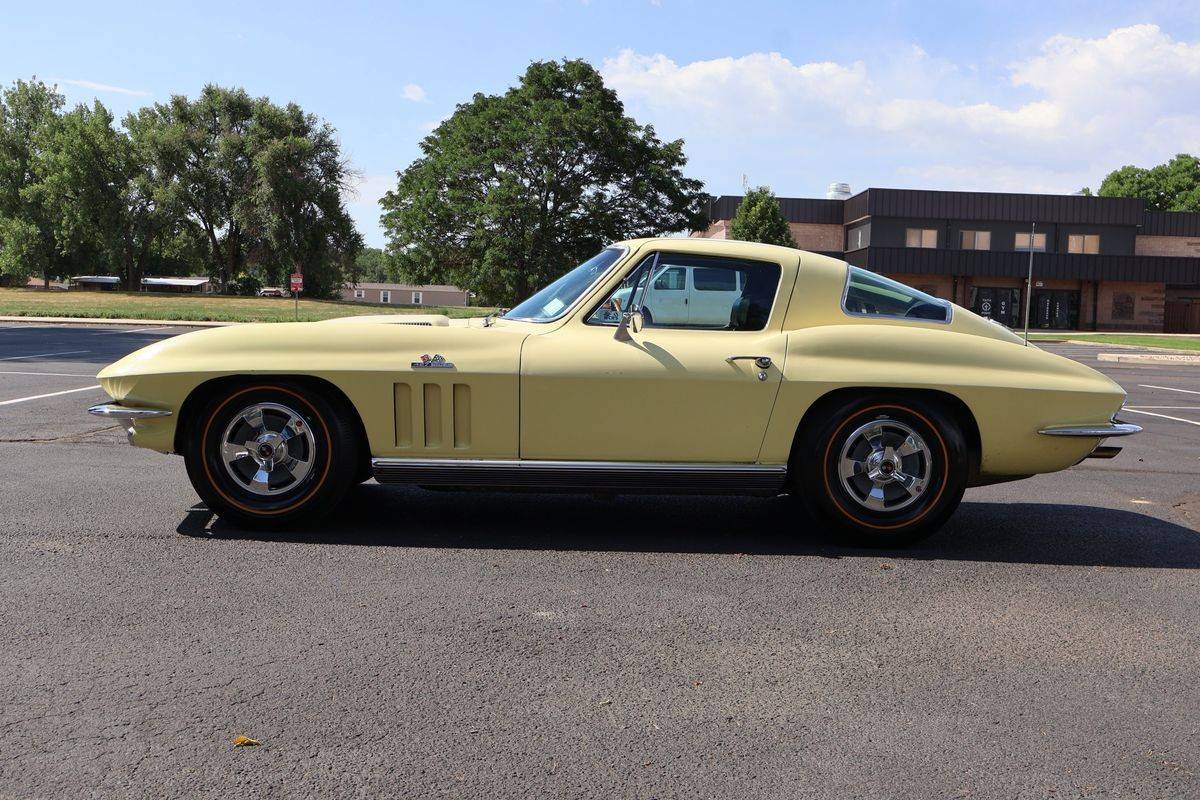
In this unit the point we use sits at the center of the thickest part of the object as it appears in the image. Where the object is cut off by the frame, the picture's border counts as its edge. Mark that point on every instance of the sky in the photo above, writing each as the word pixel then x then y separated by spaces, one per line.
pixel 993 96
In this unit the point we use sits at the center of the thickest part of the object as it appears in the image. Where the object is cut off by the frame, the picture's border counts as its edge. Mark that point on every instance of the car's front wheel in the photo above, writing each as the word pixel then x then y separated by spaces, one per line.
pixel 271 454
pixel 882 472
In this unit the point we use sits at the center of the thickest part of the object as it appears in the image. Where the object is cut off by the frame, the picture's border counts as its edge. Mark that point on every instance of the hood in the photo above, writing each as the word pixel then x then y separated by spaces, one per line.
pixel 374 343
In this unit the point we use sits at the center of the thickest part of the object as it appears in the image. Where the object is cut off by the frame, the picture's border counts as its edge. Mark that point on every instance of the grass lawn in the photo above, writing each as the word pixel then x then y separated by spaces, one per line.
pixel 1171 342
pixel 198 308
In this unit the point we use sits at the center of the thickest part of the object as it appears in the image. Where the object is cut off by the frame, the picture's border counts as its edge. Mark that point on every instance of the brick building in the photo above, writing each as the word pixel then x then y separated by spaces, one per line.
pixel 1099 263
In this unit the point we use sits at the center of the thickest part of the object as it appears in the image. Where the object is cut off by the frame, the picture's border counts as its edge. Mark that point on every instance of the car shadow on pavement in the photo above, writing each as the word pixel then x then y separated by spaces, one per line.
pixel 1026 533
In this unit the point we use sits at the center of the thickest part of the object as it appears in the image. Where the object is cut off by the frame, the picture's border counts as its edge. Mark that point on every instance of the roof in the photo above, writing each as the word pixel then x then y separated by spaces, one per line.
pixel 95 279
pixel 404 287
pixel 174 281
pixel 999 206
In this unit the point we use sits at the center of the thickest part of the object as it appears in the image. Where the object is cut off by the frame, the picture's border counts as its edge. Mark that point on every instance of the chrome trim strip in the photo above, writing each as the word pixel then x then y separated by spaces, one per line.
pixel 581 475
pixel 1093 431
pixel 118 411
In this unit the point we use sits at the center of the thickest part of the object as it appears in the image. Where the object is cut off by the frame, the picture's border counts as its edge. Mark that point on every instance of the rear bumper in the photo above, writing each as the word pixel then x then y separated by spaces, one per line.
pixel 1113 428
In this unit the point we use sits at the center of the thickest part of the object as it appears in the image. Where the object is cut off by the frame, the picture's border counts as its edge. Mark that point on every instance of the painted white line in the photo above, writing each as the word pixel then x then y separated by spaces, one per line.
pixel 1168 388
pixel 133 330
pixel 55 394
pixel 51 374
pixel 1163 408
pixel 1164 416
pixel 45 355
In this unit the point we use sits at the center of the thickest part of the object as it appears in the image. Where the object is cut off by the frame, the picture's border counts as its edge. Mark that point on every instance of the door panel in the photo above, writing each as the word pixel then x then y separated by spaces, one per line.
pixel 665 395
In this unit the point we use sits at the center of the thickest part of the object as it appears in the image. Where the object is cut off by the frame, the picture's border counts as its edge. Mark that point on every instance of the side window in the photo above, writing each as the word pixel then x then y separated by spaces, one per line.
pixel 868 294
pixel 671 280
pixel 694 292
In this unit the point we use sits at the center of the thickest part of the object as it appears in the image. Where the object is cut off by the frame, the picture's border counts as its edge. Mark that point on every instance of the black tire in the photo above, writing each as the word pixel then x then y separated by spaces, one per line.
pixel 881 511
pixel 647 317
pixel 323 446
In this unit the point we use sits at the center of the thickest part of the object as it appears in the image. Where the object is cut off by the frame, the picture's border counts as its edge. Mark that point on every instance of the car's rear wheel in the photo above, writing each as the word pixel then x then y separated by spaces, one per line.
pixel 881 472
pixel 271 454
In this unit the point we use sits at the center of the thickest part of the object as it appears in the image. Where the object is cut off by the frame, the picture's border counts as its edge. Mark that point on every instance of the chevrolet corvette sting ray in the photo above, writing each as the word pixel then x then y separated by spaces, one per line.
pixel 657 366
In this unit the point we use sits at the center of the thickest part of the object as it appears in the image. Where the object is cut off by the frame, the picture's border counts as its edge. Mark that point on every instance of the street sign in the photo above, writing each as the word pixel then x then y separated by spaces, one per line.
pixel 297 282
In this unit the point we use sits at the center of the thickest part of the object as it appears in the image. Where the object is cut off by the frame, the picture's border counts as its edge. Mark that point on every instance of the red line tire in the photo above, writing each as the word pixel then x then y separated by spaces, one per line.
pixel 249 493
pixel 881 472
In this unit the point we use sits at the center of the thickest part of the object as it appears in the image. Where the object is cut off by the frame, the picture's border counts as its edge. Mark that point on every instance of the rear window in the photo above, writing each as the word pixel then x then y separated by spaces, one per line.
pixel 872 295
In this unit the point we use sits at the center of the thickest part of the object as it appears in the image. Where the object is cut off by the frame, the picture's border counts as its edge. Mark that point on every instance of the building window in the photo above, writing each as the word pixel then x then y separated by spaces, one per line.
pixel 359 294
pixel 920 237
pixel 859 237
pixel 385 296
pixel 416 298
pixel 1022 242
pixel 976 240
pixel 1122 305
pixel 1083 243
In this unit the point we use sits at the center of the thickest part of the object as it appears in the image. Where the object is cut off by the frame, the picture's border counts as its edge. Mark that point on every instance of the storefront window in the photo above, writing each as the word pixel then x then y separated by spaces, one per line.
pixel 1002 305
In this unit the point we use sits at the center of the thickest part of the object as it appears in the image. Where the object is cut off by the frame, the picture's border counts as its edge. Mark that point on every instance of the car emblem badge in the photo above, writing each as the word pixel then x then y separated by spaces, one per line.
pixel 436 361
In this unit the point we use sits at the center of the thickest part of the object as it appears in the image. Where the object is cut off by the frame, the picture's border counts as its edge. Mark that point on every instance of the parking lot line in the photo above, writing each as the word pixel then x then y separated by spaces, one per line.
pixel 49 394
pixel 51 374
pixel 45 355
pixel 1161 408
pixel 1164 416
pixel 132 330
pixel 1168 388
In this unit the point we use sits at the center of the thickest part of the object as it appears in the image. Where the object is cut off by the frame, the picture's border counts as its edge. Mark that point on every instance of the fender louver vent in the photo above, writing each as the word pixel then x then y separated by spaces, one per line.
pixel 427 414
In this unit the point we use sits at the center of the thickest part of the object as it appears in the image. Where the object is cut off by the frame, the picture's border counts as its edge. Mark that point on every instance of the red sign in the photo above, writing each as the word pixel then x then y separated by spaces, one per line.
pixel 297 282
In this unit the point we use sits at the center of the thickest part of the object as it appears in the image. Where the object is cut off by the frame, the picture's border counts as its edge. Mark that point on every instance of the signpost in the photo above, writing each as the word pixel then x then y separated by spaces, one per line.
pixel 297 284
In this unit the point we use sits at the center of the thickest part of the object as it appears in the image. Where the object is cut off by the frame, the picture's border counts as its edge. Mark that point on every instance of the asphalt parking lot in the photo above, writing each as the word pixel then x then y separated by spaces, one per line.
pixel 1044 644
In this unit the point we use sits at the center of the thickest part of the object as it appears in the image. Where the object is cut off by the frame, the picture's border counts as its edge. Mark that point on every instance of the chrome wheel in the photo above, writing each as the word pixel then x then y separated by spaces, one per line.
pixel 885 465
pixel 268 449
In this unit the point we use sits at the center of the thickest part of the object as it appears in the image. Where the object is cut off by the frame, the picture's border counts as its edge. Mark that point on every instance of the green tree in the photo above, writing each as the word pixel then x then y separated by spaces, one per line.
pixel 372 265
pixel 257 182
pixel 760 219
pixel 297 211
pixel 29 110
pixel 1173 186
pixel 514 189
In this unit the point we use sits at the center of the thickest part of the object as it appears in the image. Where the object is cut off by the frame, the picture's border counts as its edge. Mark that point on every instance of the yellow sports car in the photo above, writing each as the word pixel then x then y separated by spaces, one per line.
pixel 659 365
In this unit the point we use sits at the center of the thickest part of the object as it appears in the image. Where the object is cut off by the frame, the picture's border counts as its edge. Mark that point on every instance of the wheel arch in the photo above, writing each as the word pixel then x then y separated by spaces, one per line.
pixel 952 404
pixel 206 390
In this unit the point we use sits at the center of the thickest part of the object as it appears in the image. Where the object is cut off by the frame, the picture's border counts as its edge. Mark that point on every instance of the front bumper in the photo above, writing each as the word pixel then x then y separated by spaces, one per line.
pixel 127 414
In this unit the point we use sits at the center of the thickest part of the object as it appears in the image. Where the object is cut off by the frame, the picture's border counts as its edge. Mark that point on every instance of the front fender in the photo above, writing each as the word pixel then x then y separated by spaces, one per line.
pixel 371 364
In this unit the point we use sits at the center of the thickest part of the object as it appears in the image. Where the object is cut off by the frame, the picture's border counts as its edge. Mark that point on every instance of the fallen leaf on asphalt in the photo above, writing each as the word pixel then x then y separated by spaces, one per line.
pixel 886 565
pixel 245 741
pixel 606 702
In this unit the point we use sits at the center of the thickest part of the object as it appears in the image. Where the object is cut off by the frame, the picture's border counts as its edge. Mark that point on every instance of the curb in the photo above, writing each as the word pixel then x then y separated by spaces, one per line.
pixel 1166 350
pixel 1147 358
pixel 178 323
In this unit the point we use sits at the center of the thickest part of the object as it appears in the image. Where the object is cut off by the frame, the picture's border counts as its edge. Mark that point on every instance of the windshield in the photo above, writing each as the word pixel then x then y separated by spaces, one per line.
pixel 553 301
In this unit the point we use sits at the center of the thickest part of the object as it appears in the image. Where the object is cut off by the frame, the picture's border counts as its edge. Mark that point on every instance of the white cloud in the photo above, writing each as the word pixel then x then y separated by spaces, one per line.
pixel 368 190
pixel 414 93
pixel 104 87
pixel 1062 117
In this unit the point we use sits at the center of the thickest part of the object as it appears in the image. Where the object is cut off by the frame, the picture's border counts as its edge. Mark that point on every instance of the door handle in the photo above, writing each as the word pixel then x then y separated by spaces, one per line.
pixel 762 362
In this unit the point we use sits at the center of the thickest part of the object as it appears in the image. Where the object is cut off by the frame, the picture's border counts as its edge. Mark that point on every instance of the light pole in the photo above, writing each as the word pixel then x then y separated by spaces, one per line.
pixel 1029 282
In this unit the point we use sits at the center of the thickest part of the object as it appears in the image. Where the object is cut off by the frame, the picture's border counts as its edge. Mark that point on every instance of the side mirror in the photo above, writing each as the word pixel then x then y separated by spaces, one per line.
pixel 631 322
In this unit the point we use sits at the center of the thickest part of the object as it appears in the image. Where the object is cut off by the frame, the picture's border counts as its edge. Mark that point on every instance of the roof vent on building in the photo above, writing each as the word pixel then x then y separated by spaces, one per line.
pixel 838 191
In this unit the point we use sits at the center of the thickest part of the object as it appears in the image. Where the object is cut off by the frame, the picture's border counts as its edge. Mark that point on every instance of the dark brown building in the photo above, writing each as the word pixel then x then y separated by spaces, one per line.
pixel 1099 263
